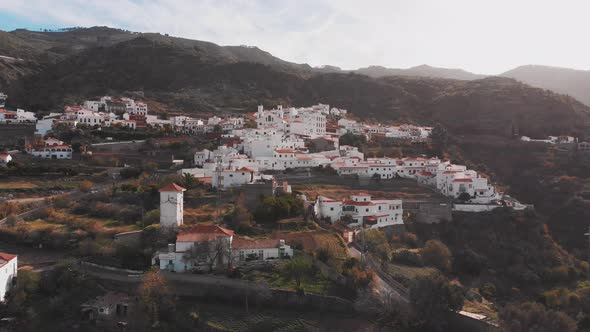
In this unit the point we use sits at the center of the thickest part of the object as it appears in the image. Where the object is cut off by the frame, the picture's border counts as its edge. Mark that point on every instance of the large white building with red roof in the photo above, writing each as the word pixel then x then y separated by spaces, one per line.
pixel 8 272
pixel 362 209
pixel 52 149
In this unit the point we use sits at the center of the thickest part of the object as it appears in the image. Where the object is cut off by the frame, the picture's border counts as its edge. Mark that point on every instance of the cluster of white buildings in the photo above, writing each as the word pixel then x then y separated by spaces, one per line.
pixel 361 209
pixel 403 132
pixel 203 246
pixel 15 117
pixel 103 112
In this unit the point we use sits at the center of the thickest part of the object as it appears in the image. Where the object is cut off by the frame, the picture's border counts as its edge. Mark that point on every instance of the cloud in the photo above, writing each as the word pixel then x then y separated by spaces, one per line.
pixel 481 36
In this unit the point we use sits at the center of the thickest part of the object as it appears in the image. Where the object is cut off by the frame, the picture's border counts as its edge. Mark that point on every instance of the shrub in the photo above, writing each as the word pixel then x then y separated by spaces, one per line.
pixel 534 317
pixel 488 291
pixel 437 254
pixel 407 257
pixel 85 186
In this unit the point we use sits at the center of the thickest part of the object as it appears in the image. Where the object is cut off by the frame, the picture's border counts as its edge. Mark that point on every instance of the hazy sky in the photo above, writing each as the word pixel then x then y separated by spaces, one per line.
pixel 488 36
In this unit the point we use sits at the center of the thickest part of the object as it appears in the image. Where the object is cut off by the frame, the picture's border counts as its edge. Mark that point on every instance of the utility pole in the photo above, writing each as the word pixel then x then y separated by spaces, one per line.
pixel 217 190
pixel 588 235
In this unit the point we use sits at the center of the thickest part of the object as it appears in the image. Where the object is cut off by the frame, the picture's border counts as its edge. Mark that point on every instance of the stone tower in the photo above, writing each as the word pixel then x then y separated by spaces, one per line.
pixel 171 205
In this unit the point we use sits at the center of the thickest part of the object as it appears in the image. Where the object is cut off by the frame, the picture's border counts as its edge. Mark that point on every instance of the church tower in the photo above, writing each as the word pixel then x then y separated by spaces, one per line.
pixel 171 205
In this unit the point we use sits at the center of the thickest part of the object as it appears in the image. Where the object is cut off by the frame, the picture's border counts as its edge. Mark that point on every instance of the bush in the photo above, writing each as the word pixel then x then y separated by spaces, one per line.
pixel 437 254
pixel 407 257
pixel 488 291
pixel 534 317
pixel 85 186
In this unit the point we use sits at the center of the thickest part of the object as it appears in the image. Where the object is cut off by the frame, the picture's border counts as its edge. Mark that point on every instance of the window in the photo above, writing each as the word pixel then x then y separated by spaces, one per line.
pixel 331 209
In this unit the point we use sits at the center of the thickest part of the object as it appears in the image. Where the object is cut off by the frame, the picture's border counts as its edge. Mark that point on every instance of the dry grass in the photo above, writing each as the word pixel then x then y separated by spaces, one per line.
pixel 73 221
pixel 343 192
pixel 204 213
pixel 484 307
pixel 311 241
pixel 17 185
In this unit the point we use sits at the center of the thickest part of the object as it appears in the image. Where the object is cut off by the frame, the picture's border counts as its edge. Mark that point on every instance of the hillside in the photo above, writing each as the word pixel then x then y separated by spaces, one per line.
pixel 575 83
pixel 197 76
pixel 40 49
pixel 422 71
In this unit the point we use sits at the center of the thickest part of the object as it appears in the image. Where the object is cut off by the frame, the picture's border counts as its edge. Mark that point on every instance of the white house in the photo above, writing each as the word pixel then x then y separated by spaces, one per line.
pixel 52 149
pixel 5 158
pixel 210 245
pixel 43 126
pixel 198 247
pixel 8 272
pixel 229 178
pixel 245 249
pixel 171 205
pixel 362 209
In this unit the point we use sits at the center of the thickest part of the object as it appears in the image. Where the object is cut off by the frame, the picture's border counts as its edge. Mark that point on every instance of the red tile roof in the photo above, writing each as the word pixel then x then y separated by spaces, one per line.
pixel 463 180
pixel 172 187
pixel 4 155
pixel 5 258
pixel 203 233
pixel 246 169
pixel 351 202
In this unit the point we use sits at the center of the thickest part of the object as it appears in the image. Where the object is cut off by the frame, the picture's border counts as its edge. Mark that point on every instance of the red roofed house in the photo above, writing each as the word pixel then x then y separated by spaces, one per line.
pixel 205 247
pixel 8 272
pixel 247 249
pixel 5 158
pixel 171 205
pixel 229 178
pixel 362 209
pixel 201 247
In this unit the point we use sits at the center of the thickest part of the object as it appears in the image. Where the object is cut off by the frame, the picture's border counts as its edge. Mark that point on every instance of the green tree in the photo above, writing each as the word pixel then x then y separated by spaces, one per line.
pixel 189 181
pixel 297 269
pixel 376 242
pixel 534 317
pixel 440 139
pixel 437 254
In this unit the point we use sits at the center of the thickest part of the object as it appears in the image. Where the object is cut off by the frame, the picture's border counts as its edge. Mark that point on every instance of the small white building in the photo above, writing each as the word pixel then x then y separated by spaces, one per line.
pixel 5 158
pixel 197 248
pixel 246 249
pixel 8 273
pixel 171 205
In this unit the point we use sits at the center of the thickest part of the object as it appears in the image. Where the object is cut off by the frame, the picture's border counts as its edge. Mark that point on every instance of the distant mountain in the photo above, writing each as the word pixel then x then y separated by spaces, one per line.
pixel 575 83
pixel 421 71
pixel 197 76
pixel 33 50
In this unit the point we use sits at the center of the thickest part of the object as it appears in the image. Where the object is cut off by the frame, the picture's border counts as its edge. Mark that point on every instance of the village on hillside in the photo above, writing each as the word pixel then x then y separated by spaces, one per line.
pixel 295 198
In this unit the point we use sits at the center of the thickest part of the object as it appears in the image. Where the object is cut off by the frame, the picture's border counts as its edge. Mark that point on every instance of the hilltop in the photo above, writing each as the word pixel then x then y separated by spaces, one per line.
pixel 575 83
pixel 197 76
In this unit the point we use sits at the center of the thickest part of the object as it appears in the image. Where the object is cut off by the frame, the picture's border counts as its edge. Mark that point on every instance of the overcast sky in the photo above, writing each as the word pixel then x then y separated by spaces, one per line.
pixel 487 37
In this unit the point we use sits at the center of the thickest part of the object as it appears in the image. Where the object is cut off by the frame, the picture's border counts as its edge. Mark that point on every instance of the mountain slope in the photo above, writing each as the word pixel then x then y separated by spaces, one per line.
pixel 575 83
pixel 199 76
pixel 422 71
